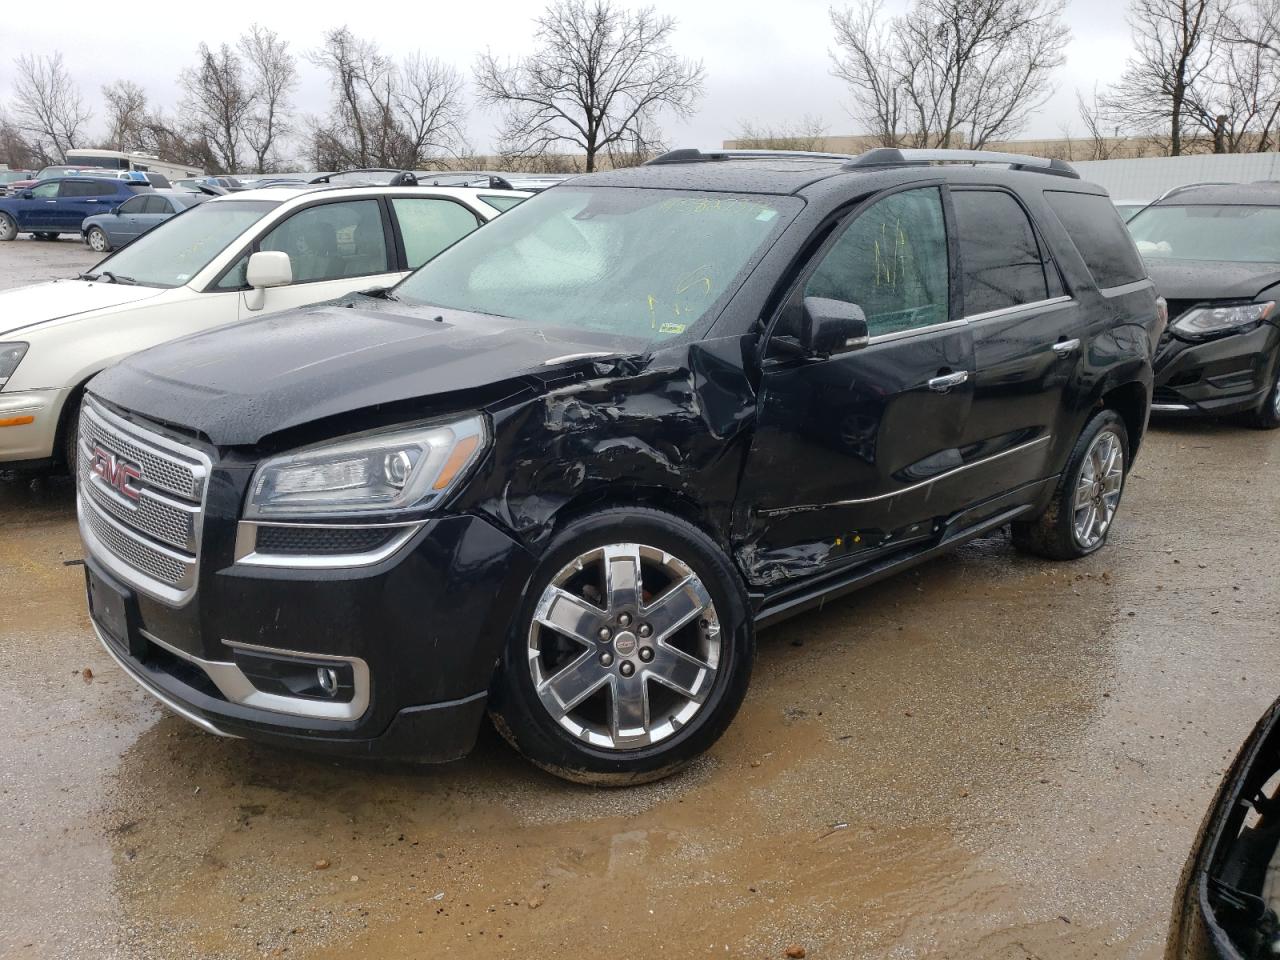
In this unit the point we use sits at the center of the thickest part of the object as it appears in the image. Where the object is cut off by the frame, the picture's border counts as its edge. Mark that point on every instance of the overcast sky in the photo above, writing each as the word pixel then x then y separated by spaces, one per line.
pixel 765 61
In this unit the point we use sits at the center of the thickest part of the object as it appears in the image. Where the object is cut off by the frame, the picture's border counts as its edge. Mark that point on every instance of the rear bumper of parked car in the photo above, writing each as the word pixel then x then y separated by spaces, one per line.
pixel 418 634
pixel 28 425
pixel 1227 375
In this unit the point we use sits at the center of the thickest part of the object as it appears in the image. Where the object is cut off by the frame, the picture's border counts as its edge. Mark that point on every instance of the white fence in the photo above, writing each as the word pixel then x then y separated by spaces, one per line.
pixel 1145 178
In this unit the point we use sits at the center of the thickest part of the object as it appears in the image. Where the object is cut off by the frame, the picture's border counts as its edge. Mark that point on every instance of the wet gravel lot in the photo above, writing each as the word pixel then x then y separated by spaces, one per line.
pixel 988 756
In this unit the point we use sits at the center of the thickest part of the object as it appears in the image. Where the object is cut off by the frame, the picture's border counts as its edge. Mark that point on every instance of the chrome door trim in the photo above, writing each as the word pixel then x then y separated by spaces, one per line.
pixel 1052 302
pixel 915 331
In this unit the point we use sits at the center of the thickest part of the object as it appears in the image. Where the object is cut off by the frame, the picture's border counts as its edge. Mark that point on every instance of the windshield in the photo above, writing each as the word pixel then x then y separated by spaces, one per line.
pixel 643 264
pixel 182 246
pixel 1243 234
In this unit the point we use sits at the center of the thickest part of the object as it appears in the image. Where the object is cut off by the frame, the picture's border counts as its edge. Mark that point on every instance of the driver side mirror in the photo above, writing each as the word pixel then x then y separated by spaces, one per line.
pixel 116 210
pixel 266 268
pixel 829 327
pixel 28 195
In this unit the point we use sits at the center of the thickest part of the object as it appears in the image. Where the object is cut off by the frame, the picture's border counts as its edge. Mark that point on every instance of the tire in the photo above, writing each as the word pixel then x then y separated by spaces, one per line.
pixel 707 649
pixel 97 240
pixel 1057 533
pixel 1267 416
pixel 8 228
pixel 71 437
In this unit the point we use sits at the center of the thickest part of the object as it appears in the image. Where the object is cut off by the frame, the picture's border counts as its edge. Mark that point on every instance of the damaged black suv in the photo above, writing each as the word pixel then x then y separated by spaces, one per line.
pixel 567 469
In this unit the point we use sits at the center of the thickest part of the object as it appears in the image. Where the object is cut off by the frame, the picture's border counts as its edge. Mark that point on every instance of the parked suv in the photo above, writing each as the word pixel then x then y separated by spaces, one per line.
pixel 567 469
pixel 232 258
pixel 1214 253
pixel 54 207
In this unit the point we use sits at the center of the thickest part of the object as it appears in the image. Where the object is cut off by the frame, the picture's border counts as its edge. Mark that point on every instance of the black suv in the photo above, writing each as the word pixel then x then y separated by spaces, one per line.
pixel 1214 254
pixel 566 470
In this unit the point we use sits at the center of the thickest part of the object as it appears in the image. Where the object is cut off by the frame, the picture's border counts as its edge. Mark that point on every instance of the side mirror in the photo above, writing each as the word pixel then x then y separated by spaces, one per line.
pixel 28 195
pixel 266 268
pixel 831 326
pixel 116 210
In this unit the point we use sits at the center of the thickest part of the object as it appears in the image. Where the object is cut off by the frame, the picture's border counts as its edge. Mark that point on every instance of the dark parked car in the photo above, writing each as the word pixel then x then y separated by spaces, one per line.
pixel 1225 907
pixel 54 207
pixel 1214 253
pixel 131 219
pixel 565 470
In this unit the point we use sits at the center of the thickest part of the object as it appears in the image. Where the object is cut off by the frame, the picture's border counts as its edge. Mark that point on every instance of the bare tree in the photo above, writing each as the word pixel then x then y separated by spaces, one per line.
pixel 219 100
pixel 1161 92
pixel 273 75
pixel 126 115
pixel 949 72
pixel 1101 145
pixel 407 115
pixel 1247 83
pixel 807 133
pixel 14 148
pixel 598 78
pixel 47 106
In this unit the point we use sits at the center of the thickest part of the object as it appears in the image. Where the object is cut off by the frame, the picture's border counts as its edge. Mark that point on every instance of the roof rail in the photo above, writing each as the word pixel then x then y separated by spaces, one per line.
pixel 1190 186
pixel 893 156
pixel 372 176
pixel 694 155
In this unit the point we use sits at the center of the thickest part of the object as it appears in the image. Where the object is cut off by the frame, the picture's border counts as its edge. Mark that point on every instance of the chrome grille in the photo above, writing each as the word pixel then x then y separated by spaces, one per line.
pixel 153 541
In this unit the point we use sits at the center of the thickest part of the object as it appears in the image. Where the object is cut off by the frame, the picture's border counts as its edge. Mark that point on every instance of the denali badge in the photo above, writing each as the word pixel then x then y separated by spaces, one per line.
pixel 115 472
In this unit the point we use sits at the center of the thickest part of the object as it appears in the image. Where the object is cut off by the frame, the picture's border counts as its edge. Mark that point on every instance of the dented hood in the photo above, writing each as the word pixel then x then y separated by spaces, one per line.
pixel 1211 279
pixel 42 302
pixel 241 383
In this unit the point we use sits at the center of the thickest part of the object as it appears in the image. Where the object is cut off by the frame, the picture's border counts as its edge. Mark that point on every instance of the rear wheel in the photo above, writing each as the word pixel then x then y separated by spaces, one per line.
pixel 97 240
pixel 631 652
pixel 8 227
pixel 1080 515
pixel 1267 416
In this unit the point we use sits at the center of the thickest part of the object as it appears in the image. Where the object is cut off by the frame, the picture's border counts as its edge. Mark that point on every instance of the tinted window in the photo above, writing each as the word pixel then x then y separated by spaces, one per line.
pixel 892 262
pixel 1000 260
pixel 134 205
pixel 156 204
pixel 332 241
pixel 428 226
pixel 501 202
pixel 46 189
pixel 1096 229
pixel 79 188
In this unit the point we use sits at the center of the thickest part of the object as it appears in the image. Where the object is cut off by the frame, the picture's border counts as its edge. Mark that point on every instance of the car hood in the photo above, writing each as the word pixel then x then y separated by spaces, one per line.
pixel 29 307
pixel 1211 279
pixel 242 383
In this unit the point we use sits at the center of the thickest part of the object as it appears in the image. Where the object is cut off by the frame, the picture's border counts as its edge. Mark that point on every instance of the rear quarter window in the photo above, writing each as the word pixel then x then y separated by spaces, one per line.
pixel 1099 235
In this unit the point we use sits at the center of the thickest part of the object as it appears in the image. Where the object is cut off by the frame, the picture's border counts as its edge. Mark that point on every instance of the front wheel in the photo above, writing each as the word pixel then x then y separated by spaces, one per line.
pixel 1267 416
pixel 97 240
pixel 1080 515
pixel 8 227
pixel 630 654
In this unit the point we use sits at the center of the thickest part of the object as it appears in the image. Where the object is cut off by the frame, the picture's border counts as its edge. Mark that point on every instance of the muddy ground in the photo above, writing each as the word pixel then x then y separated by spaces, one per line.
pixel 990 756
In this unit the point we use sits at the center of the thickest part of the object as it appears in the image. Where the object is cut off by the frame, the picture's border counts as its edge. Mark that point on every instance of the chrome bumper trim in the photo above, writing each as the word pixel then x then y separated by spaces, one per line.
pixel 247 540
pixel 1169 407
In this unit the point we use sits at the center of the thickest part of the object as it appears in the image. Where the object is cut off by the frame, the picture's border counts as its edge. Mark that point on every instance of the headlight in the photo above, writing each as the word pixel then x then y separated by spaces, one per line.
pixel 410 468
pixel 11 355
pixel 1207 321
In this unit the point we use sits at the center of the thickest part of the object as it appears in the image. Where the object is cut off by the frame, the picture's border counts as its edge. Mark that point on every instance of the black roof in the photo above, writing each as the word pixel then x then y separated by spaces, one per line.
pixel 1264 194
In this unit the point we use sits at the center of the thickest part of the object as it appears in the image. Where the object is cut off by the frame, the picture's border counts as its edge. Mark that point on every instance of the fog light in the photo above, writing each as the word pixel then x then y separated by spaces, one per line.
pixel 327 677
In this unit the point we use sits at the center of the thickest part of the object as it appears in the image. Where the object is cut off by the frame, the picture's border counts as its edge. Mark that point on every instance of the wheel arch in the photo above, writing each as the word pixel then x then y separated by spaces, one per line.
pixel 1132 401
pixel 615 496
pixel 70 402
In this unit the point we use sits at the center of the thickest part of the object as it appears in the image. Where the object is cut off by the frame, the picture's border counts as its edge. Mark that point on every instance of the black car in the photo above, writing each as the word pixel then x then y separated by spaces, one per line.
pixel 568 468
pixel 1214 253
pixel 1225 907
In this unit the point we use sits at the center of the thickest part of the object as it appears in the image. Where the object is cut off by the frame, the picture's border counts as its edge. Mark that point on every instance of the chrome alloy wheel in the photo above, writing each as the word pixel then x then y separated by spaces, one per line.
pixel 624 646
pixel 8 227
pixel 97 240
pixel 1098 489
pixel 1275 394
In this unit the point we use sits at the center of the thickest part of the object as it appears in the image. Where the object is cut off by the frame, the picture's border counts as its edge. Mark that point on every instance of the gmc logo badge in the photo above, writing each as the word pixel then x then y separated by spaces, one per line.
pixel 116 473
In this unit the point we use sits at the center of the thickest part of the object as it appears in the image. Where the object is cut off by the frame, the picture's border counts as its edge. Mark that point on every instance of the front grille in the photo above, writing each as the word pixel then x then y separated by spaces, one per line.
pixel 323 541
pixel 153 541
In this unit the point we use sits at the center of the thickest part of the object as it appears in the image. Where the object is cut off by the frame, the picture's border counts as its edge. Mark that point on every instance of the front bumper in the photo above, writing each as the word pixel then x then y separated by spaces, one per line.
pixel 1232 374
pixel 28 424
pixel 426 626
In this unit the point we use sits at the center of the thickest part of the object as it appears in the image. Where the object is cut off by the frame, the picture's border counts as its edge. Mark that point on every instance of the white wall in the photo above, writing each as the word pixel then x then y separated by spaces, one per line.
pixel 1145 178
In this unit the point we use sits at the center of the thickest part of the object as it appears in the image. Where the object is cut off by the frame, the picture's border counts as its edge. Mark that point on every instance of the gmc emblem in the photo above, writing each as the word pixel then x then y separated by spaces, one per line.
pixel 115 472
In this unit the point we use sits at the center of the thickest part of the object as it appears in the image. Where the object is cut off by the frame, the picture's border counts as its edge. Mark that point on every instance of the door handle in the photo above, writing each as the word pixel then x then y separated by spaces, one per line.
pixel 944 383
pixel 1064 348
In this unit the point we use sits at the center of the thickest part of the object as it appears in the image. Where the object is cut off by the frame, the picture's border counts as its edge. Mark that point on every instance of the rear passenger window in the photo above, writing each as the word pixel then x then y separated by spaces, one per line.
pixel 332 241
pixel 1000 261
pixel 429 225
pixel 156 204
pixel 892 262
pixel 1100 236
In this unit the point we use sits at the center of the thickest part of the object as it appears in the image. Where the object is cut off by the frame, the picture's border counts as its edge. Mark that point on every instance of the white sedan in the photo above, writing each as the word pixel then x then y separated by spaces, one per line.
pixel 231 258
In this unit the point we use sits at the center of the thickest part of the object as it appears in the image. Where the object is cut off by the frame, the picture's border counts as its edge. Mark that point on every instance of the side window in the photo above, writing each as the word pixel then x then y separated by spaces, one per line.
pixel 1000 260
pixel 499 202
pixel 100 189
pixel 1100 235
pixel 134 205
pixel 47 190
pixel 892 262
pixel 332 241
pixel 155 204
pixel 75 188
pixel 237 277
pixel 429 225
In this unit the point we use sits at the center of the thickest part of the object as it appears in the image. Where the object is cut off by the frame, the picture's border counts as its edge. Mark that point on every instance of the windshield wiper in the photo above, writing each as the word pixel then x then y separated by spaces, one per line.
pixel 111 277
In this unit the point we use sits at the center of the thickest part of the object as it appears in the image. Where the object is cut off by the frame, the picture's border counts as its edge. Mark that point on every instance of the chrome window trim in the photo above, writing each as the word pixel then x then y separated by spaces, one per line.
pixel 1131 287
pixel 915 486
pixel 237 687
pixel 247 540
pixel 915 331
pixel 1019 308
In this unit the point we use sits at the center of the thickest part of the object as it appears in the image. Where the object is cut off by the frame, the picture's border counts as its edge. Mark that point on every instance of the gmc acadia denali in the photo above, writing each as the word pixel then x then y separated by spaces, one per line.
pixel 565 470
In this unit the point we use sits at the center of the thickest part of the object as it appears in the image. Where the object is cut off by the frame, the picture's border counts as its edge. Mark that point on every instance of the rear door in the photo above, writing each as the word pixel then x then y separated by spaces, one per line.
pixel 855 455
pixel 1028 338
pixel 78 199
